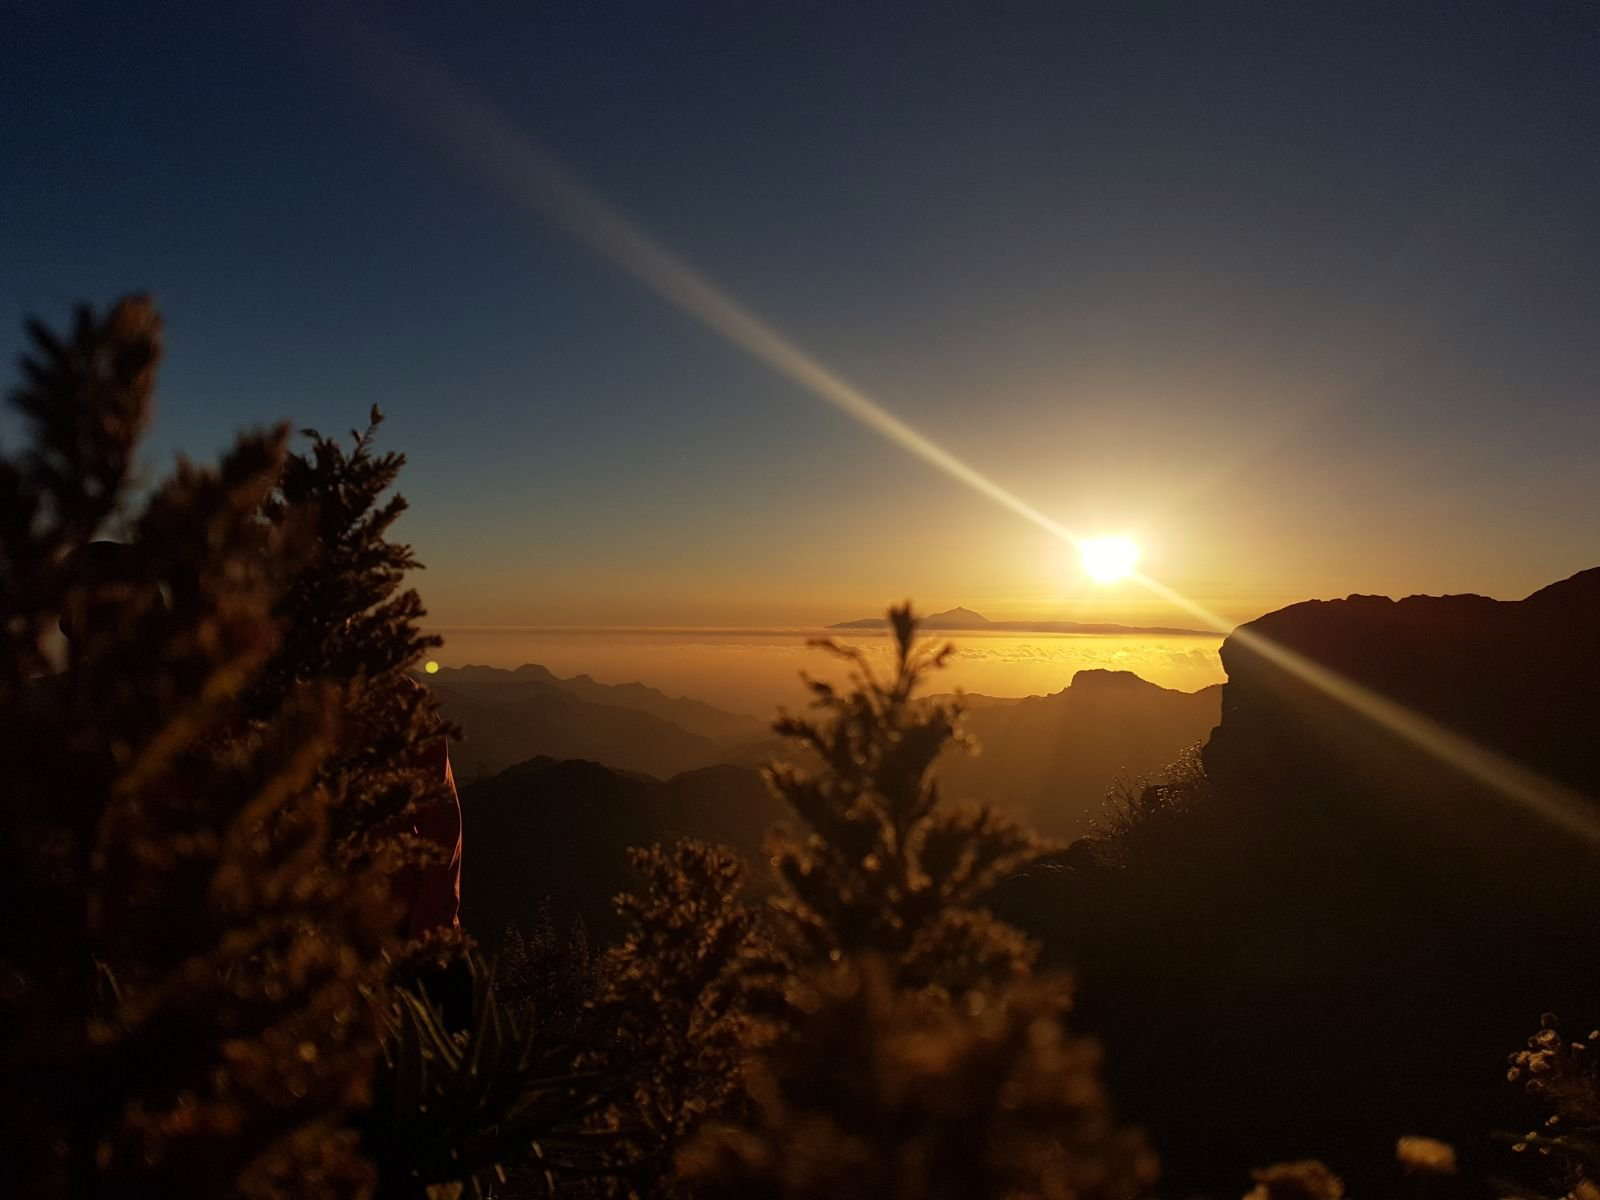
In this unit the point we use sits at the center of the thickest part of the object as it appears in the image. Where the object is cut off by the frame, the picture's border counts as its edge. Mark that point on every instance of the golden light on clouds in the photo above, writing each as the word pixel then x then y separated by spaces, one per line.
pixel 1108 559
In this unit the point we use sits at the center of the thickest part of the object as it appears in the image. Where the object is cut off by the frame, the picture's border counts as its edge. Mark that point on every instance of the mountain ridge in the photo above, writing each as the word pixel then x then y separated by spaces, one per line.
pixel 1362 869
pixel 1051 759
pixel 548 834
pixel 694 716
pixel 508 716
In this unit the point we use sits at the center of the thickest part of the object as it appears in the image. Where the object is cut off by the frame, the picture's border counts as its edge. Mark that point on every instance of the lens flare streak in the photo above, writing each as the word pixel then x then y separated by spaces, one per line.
pixel 1561 806
pixel 485 139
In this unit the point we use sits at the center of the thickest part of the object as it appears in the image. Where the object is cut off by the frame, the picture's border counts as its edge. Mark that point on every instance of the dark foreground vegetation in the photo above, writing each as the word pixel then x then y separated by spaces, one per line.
pixel 209 983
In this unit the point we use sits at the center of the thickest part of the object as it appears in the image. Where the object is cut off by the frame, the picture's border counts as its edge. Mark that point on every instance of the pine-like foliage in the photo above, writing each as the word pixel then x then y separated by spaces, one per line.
pixel 680 999
pixel 918 1058
pixel 886 1094
pixel 886 868
pixel 186 989
pixel 346 615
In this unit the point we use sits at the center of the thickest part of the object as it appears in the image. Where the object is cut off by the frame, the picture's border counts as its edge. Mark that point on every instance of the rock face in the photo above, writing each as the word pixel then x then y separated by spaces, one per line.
pixel 1343 940
pixel 1051 759
pixel 1519 677
pixel 1417 919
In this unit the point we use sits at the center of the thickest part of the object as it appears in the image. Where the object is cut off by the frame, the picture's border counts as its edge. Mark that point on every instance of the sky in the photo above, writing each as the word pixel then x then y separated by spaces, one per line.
pixel 1302 297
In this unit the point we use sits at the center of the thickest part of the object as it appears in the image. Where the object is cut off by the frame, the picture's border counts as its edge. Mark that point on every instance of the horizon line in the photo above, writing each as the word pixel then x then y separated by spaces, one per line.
pixel 836 627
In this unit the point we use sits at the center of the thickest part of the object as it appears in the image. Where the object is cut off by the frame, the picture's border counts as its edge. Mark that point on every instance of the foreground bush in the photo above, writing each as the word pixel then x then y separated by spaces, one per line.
pixel 918 1059
pixel 679 999
pixel 884 1094
pixel 187 1006
pixel 884 867
pixel 215 792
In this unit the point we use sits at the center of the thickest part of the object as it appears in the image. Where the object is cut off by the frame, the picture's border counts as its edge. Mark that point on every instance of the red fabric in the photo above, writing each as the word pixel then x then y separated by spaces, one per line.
pixel 433 892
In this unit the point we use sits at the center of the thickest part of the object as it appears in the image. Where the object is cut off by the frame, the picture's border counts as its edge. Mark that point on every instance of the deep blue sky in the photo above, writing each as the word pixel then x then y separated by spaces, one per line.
pixel 1305 296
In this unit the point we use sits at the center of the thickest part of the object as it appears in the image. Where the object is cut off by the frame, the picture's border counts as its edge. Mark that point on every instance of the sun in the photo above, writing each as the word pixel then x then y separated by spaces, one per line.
pixel 1108 559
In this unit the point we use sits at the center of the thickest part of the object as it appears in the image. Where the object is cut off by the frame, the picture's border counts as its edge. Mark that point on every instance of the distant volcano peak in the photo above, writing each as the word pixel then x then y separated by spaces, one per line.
pixel 952 618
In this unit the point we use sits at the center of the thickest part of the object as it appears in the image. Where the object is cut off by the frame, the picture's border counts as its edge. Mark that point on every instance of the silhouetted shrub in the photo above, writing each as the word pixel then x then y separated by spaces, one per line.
pixel 886 868
pixel 1154 820
pixel 187 1004
pixel 889 1094
pixel 680 999
pixel 917 1059
pixel 345 616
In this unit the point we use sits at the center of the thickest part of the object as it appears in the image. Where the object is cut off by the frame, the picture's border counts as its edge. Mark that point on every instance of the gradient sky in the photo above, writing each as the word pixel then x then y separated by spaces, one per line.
pixel 1304 296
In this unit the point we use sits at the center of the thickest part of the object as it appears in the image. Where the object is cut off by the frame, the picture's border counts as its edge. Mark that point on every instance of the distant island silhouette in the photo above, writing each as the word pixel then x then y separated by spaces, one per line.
pixel 965 619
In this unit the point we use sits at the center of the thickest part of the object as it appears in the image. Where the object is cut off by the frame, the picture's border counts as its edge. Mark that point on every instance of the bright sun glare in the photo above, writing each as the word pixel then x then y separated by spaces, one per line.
pixel 1108 559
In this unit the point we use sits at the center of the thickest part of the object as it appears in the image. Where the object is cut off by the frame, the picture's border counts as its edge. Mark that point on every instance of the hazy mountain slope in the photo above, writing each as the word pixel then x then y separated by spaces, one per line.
pixel 505 724
pixel 1052 758
pixel 494 684
pixel 558 830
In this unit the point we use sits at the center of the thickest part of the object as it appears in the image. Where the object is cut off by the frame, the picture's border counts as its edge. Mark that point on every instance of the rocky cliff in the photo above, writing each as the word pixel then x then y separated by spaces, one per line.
pixel 1521 678
pixel 1342 939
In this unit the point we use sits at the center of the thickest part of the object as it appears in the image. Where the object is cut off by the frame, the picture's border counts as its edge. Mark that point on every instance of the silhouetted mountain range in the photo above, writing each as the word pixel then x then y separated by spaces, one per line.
pixel 1052 759
pixel 558 828
pixel 511 716
pixel 1049 758
pixel 953 619
pixel 554 832
pixel 695 716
